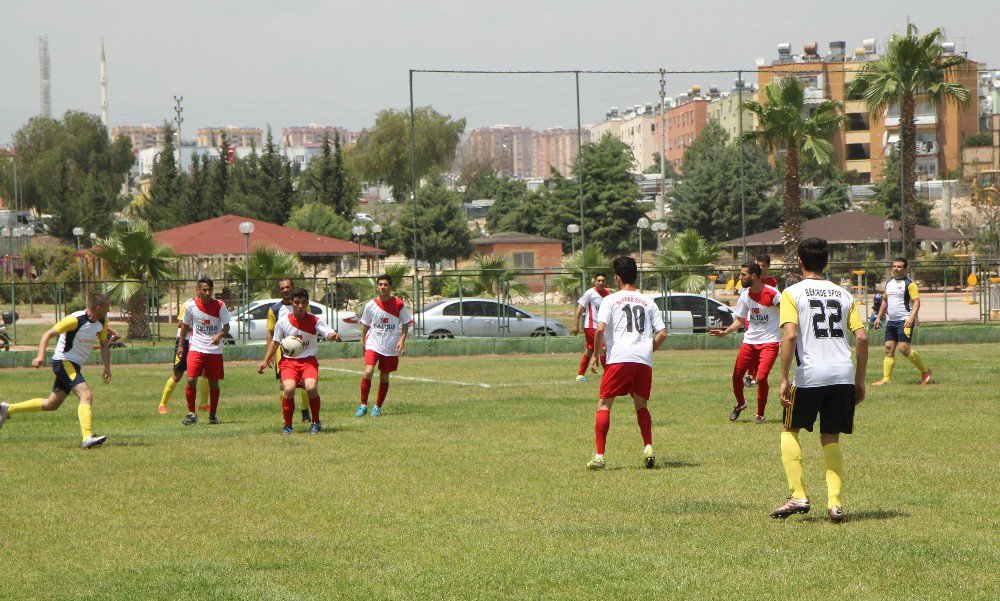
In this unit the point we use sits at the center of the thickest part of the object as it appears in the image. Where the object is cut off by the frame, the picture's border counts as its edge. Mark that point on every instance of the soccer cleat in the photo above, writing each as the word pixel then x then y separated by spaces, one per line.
pixel 581 378
pixel 880 383
pixel 3 413
pixel 162 409
pixel 191 419
pixel 93 441
pixel 306 418
pixel 286 430
pixel 749 381
pixel 925 378
pixel 836 514
pixel 362 411
pixel 791 507
pixel 597 463
pixel 648 457
pixel 376 411
pixel 212 419
pixel 316 428
pixel 735 415
pixel 205 408
pixel 760 419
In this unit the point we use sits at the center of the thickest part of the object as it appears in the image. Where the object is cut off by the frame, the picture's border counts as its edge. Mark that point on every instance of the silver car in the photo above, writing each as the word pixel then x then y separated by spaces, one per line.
pixel 254 320
pixel 453 317
pixel 706 312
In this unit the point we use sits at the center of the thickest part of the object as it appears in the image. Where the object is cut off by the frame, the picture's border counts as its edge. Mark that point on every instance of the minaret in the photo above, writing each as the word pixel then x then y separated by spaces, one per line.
pixel 104 87
pixel 45 74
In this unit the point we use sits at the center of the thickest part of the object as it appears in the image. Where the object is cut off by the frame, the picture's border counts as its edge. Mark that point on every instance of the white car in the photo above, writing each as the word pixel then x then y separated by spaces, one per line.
pixel 254 321
pixel 463 317
pixel 719 315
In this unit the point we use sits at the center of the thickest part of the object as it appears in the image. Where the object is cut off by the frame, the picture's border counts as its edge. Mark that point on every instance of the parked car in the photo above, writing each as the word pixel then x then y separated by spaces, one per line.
pixel 345 322
pixel 453 317
pixel 706 312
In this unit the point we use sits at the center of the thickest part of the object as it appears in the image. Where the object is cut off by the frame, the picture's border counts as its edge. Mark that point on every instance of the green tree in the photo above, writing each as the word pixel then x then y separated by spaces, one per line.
pixel 687 250
pixel 267 267
pixel 275 182
pixel 784 121
pixel 134 258
pixel 319 218
pixel 216 183
pixel 507 194
pixel 582 265
pixel 383 152
pixel 912 66
pixel 329 180
pixel 442 230
pixel 492 275
pixel 885 202
pixel 525 216
pixel 165 204
pixel 671 173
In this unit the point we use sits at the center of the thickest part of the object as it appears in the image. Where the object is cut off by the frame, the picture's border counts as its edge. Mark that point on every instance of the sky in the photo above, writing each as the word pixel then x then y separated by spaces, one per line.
pixel 264 63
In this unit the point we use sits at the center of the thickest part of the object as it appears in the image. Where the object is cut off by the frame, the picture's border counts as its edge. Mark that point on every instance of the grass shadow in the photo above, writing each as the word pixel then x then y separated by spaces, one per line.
pixel 866 515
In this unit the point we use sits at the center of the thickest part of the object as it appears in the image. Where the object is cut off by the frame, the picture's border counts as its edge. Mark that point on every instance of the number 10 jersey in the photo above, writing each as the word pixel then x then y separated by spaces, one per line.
pixel 631 320
pixel 825 313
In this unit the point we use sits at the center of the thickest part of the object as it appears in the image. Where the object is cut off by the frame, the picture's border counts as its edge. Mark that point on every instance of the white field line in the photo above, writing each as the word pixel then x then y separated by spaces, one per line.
pixel 453 382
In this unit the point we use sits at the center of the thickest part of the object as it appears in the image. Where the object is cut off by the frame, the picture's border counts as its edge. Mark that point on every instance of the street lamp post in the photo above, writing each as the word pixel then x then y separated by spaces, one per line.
pixel 658 229
pixel 640 225
pixel 5 232
pixel 359 231
pixel 77 232
pixel 573 229
pixel 888 232
pixel 246 228
pixel 377 230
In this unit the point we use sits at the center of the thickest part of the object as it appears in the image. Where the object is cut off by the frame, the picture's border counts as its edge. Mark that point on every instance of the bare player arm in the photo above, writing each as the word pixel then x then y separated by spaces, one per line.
pixel 400 346
pixel 737 324
pixel 861 349
pixel 789 337
pixel 599 344
pixel 576 319
pixel 882 308
pixel 105 341
pixel 272 348
pixel 42 345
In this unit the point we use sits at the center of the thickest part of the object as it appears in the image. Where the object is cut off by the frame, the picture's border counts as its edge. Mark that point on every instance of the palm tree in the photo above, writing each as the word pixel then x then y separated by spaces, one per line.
pixel 267 267
pixel 912 66
pixel 491 275
pixel 685 250
pixel 581 265
pixel 786 121
pixel 133 256
pixel 365 288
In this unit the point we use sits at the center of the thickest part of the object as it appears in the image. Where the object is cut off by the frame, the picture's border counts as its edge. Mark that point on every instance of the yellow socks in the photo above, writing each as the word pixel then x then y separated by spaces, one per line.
pixel 303 398
pixel 791 456
pixel 168 390
pixel 916 361
pixel 887 364
pixel 203 390
pixel 86 418
pixel 834 461
pixel 30 406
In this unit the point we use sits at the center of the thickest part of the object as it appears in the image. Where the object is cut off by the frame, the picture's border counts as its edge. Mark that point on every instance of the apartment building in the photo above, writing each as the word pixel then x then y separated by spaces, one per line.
pixel 308 135
pixel 507 148
pixel 142 136
pixel 235 136
pixel 864 140
pixel 724 108
pixel 556 147
pixel 639 127
pixel 686 116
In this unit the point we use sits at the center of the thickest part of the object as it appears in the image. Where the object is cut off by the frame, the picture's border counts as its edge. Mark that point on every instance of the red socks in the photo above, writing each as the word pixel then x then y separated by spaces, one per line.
pixel 366 388
pixel 601 425
pixel 584 362
pixel 762 389
pixel 738 388
pixel 190 393
pixel 213 395
pixel 288 409
pixel 645 425
pixel 383 388
pixel 314 409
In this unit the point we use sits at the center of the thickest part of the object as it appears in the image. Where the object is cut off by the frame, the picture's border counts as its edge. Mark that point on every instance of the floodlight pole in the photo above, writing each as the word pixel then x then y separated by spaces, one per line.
pixel 579 157
pixel 739 147
pixel 413 187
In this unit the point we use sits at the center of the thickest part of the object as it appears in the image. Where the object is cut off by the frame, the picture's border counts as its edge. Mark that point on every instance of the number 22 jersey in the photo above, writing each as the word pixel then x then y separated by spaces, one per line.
pixel 631 320
pixel 825 313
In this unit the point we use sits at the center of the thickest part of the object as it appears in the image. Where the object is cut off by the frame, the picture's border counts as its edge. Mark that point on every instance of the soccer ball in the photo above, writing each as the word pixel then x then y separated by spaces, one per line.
pixel 291 346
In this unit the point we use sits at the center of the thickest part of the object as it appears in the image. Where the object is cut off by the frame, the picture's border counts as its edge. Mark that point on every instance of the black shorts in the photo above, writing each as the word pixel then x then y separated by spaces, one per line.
pixel 68 375
pixel 833 403
pixel 895 330
pixel 180 363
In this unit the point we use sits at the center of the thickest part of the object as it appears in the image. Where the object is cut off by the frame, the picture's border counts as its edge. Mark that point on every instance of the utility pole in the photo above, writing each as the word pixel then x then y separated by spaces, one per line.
pixel 661 205
pixel 179 109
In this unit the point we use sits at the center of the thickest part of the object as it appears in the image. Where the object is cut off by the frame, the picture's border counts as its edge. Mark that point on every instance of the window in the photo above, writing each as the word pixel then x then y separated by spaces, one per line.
pixel 858 152
pixel 259 312
pixel 858 122
pixel 315 310
pixel 524 260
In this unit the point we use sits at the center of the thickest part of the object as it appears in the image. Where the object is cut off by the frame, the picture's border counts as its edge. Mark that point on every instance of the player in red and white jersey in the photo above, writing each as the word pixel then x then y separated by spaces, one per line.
pixel 180 370
pixel 303 368
pixel 207 320
pixel 631 326
pixel 757 312
pixel 384 324
pixel 764 261
pixel 587 308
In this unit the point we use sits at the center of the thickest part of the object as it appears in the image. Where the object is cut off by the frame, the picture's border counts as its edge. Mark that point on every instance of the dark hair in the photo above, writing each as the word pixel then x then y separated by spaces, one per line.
pixel 903 260
pixel 764 259
pixel 300 293
pixel 815 253
pixel 754 269
pixel 600 274
pixel 98 300
pixel 289 280
pixel 625 268
pixel 385 277
pixel 208 281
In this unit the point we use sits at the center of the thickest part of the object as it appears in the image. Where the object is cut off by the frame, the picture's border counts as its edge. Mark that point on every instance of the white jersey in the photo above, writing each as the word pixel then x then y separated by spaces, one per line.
pixel 385 323
pixel 76 337
pixel 180 320
pixel 825 313
pixel 307 330
pixel 591 303
pixel 760 313
pixel 899 295
pixel 630 322
pixel 205 320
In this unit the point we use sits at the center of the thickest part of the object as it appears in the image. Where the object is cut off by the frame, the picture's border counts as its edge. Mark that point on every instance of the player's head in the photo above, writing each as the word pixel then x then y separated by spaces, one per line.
pixel 97 305
pixel 285 287
pixel 300 302
pixel 205 286
pixel 748 273
pixel 625 270
pixel 814 254
pixel 600 280
pixel 899 265
pixel 383 285
pixel 764 261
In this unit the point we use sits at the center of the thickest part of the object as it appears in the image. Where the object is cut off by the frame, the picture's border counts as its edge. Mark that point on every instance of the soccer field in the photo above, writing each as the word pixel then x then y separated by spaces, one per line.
pixel 472 486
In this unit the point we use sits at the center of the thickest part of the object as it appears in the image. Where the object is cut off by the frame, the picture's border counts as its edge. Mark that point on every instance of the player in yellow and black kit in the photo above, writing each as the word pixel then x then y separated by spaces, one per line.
pixel 77 333
pixel 815 317
pixel 900 307
pixel 274 313
pixel 180 370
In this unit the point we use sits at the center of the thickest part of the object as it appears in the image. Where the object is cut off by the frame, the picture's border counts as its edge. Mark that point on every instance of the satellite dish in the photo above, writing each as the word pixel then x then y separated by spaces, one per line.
pixel 759 61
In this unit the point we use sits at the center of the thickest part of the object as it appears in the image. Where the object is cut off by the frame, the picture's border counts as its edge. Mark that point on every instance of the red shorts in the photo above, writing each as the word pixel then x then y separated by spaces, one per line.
pixel 299 369
pixel 383 362
pixel 621 379
pixel 205 364
pixel 589 334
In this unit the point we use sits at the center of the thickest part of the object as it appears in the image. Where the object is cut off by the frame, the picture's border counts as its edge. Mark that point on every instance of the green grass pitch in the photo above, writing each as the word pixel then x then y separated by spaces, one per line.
pixel 475 488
